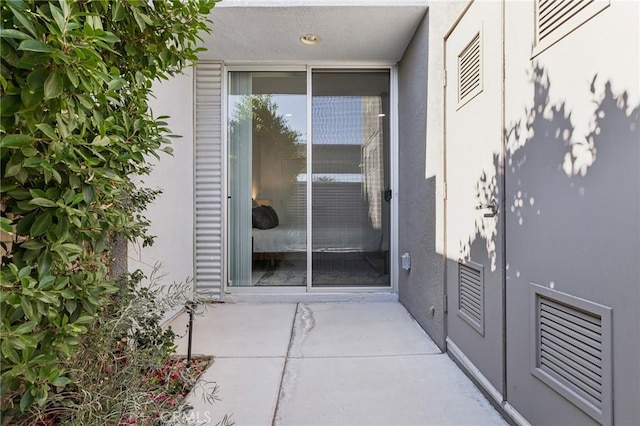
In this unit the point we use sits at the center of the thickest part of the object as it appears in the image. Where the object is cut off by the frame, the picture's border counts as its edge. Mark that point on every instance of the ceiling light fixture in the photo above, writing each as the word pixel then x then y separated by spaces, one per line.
pixel 309 39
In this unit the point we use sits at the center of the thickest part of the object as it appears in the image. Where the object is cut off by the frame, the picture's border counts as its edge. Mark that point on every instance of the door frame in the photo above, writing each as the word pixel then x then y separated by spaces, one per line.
pixel 499 396
pixel 308 67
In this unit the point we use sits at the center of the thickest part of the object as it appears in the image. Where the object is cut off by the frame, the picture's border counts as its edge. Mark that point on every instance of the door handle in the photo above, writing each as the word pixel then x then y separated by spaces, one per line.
pixel 388 194
pixel 492 207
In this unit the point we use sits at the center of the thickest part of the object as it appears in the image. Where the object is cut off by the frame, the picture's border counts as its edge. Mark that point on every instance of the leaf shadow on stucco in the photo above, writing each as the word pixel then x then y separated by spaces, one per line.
pixel 570 198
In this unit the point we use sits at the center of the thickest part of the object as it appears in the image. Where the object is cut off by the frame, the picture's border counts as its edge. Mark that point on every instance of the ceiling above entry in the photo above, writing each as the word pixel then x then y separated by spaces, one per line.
pixel 344 31
pixel 309 39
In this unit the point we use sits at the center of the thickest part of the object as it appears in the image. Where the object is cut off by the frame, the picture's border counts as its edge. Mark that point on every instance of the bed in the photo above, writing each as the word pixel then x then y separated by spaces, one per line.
pixel 276 244
pixel 288 239
pixel 340 225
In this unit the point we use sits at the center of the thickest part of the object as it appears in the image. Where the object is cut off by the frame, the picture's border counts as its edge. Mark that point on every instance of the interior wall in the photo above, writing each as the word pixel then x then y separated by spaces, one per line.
pixel 420 289
pixel 171 215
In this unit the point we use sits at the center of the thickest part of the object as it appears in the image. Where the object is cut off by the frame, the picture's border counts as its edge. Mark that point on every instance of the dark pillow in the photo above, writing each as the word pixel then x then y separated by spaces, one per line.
pixel 264 217
pixel 273 215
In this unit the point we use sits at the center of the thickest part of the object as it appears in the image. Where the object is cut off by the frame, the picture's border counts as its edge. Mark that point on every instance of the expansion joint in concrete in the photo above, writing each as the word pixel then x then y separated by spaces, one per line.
pixel 303 323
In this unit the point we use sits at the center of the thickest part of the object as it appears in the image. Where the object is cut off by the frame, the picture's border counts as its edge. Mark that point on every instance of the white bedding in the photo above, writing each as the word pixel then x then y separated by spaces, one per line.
pixel 283 239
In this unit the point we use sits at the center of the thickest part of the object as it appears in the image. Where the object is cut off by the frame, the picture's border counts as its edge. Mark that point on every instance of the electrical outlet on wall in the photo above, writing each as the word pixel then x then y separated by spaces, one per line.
pixel 406 261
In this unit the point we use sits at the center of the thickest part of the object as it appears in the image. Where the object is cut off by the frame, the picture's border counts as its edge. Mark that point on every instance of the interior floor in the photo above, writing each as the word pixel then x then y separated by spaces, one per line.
pixel 329 269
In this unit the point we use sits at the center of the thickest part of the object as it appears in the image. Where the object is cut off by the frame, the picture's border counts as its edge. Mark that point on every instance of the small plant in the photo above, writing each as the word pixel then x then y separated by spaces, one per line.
pixel 125 371
pixel 174 380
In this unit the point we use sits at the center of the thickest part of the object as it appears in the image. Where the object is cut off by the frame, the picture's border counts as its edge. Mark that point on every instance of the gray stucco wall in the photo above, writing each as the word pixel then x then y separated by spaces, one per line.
pixel 422 287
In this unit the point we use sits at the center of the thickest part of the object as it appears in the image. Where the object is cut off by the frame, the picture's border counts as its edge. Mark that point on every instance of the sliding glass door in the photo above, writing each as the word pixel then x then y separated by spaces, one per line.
pixel 267 211
pixel 350 177
pixel 270 186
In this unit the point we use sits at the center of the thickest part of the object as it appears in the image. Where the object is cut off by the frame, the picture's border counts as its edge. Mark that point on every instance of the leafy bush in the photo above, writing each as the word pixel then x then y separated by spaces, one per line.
pixel 76 129
pixel 124 372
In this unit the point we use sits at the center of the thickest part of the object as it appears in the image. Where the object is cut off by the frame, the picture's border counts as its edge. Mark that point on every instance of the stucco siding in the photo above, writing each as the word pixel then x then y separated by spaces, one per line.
pixel 421 289
pixel 171 215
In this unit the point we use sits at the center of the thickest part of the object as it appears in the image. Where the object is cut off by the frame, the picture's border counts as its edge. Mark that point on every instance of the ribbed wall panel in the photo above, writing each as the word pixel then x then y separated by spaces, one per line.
pixel 208 180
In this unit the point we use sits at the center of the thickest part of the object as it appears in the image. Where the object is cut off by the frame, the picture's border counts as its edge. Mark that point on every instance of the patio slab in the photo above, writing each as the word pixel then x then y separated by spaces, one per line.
pixel 239 330
pixel 248 391
pixel 358 329
pixel 392 390
pixel 325 364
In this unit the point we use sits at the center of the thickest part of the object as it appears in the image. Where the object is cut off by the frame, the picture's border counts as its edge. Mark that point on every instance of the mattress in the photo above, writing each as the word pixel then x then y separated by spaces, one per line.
pixel 284 239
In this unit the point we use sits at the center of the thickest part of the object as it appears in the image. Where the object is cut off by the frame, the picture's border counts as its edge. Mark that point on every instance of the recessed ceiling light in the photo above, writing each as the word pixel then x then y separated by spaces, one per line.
pixel 309 39
pixel 381 115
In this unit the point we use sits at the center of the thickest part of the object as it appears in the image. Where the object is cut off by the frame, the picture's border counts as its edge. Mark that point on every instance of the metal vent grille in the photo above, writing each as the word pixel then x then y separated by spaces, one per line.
pixel 469 70
pixel 557 18
pixel 571 348
pixel 471 295
pixel 208 179
pixel 553 13
pixel 573 351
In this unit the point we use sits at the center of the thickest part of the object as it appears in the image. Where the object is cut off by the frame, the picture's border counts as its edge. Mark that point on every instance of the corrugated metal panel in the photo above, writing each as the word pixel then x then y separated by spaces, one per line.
pixel 471 295
pixel 208 179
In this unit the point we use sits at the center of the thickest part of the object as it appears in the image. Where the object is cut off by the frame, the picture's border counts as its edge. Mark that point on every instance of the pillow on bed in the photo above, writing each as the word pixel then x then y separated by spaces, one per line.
pixel 264 217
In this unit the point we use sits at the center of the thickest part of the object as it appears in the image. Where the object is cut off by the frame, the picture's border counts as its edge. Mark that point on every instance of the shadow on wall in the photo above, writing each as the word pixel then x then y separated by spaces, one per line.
pixel 573 201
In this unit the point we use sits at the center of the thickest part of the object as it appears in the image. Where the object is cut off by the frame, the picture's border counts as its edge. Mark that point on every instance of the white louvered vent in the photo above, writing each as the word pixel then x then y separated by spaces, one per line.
pixel 572 353
pixel 208 180
pixel 557 18
pixel 471 295
pixel 470 70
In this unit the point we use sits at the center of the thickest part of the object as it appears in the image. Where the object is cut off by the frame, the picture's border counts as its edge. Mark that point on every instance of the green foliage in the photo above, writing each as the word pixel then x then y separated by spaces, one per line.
pixel 271 132
pixel 123 372
pixel 76 130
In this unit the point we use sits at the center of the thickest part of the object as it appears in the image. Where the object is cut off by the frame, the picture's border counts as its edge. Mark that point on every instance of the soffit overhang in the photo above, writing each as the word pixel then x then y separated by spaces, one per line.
pixel 350 31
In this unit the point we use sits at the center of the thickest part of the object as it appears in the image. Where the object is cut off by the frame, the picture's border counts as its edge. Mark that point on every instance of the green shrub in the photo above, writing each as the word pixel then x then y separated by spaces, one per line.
pixel 76 129
pixel 124 372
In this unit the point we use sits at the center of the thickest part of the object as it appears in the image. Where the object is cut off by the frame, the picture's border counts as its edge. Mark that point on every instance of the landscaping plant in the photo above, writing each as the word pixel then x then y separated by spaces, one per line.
pixel 76 134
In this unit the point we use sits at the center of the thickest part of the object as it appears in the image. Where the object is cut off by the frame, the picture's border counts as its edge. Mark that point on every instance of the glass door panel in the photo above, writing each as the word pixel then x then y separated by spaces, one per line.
pixel 267 193
pixel 350 178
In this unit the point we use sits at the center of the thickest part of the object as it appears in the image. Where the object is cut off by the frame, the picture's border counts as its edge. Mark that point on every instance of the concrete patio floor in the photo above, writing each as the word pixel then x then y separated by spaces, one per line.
pixel 295 364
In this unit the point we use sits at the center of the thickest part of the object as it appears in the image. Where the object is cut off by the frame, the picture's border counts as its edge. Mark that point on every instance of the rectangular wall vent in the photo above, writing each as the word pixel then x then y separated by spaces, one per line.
pixel 553 13
pixel 557 18
pixel 471 295
pixel 470 70
pixel 572 349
